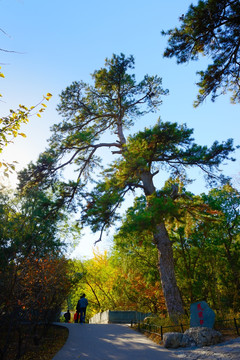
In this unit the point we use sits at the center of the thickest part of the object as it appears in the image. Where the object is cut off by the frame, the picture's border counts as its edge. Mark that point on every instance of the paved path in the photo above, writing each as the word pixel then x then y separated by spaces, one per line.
pixel 119 342
pixel 109 342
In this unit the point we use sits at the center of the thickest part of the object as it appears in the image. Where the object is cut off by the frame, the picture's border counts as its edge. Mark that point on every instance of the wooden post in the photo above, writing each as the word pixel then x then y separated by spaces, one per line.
pixel 235 322
pixel 161 332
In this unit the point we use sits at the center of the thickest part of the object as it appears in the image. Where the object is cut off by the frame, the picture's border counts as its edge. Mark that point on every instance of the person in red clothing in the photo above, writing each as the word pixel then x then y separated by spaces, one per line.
pixel 75 317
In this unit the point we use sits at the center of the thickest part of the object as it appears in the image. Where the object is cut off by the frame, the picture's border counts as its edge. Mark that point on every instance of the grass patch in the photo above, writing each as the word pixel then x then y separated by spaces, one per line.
pixel 50 342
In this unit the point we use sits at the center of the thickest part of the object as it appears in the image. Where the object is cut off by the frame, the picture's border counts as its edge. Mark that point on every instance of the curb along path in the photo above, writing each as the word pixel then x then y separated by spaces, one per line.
pixel 119 342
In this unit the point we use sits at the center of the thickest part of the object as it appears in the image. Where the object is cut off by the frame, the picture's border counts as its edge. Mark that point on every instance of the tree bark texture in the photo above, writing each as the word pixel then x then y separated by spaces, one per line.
pixel 171 292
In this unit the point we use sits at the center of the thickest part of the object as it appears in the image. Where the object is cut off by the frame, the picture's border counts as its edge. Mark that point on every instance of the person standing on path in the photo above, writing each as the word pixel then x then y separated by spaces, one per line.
pixel 67 316
pixel 82 307
pixel 75 317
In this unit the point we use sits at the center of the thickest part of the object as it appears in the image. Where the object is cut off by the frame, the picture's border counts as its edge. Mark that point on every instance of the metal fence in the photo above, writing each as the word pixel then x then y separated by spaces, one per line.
pixel 227 327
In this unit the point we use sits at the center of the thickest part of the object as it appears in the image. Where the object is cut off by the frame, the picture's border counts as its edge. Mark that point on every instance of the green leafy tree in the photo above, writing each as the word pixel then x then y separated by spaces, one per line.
pixel 225 236
pixel 34 277
pixel 210 28
pixel 29 224
pixel 97 117
pixel 205 241
pixel 206 249
pixel 194 253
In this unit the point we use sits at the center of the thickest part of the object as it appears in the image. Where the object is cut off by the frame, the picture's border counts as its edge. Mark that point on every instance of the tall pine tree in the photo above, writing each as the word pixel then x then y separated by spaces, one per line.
pixel 96 117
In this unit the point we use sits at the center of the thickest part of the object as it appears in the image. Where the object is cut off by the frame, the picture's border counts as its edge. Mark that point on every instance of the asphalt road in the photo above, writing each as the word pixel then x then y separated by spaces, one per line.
pixel 109 342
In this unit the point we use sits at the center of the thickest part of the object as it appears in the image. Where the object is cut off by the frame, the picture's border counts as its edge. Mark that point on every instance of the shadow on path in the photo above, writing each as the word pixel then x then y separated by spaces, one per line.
pixel 109 342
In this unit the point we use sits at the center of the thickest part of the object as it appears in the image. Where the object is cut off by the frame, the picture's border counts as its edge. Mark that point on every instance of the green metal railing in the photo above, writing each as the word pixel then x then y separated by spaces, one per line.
pixel 160 330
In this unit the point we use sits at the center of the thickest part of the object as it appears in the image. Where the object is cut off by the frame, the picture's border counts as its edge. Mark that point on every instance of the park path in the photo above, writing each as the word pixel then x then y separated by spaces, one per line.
pixel 109 342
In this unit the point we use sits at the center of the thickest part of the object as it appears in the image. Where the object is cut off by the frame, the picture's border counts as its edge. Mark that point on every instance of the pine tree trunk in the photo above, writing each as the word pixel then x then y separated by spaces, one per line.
pixel 171 292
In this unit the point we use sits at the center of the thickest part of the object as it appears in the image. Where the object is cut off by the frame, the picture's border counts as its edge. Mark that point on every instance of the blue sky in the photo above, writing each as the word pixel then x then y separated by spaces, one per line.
pixel 57 42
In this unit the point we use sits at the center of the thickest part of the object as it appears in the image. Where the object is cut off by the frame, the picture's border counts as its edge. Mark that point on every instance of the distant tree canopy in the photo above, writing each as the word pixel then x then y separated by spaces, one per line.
pixel 211 28
pixel 116 281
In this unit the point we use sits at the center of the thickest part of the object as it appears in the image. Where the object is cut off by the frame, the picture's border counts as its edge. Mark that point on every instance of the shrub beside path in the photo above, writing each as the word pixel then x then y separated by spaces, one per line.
pixel 119 342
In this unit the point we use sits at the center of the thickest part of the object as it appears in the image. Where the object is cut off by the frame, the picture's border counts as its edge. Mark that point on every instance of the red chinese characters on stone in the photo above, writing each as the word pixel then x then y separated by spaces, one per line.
pixel 200 314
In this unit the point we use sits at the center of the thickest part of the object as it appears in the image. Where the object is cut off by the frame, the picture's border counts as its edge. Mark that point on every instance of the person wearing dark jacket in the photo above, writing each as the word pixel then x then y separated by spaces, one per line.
pixel 82 307
pixel 67 316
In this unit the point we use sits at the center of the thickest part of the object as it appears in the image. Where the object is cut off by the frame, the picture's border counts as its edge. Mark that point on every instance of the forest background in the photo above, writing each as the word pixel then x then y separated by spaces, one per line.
pixel 35 226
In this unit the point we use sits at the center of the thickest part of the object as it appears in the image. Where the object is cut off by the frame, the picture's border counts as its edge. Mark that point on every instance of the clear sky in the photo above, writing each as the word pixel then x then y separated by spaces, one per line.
pixel 58 42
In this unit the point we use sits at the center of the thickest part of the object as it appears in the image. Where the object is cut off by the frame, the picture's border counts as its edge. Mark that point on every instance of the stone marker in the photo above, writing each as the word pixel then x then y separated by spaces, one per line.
pixel 201 315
